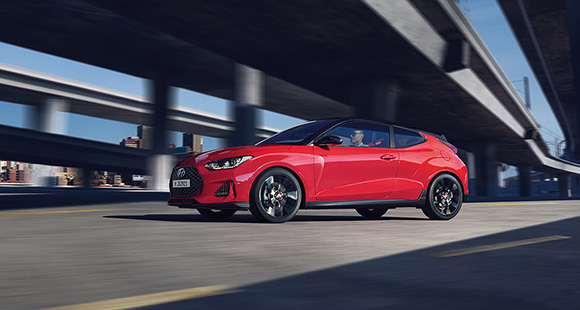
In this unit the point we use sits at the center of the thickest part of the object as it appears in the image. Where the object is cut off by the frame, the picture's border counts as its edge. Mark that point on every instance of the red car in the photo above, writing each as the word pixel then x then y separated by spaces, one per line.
pixel 367 165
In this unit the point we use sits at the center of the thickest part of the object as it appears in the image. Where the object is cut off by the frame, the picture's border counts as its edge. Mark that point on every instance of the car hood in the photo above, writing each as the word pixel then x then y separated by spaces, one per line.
pixel 229 152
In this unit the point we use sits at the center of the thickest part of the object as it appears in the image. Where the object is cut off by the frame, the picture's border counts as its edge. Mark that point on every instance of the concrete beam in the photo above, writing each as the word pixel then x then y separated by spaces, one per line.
pixel 573 23
pixel 22 86
pixel 58 150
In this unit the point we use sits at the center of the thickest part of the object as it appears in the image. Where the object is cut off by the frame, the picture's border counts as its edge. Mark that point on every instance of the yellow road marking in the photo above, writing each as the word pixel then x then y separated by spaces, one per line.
pixel 498 246
pixel 151 299
pixel 512 204
pixel 55 212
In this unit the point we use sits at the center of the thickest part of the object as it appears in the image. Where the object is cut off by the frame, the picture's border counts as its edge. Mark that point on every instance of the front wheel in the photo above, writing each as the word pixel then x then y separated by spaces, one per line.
pixel 218 215
pixel 444 198
pixel 372 213
pixel 276 196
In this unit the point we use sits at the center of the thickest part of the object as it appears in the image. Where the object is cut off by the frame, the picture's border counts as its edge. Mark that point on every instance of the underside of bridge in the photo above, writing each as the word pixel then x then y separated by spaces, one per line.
pixel 313 55
pixel 549 35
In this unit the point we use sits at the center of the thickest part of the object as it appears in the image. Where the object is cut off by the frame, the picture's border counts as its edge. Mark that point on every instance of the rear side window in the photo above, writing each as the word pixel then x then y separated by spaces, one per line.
pixel 405 137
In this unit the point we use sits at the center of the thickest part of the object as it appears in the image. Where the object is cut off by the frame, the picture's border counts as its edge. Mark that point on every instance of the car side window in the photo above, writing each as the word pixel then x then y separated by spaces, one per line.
pixel 363 134
pixel 406 138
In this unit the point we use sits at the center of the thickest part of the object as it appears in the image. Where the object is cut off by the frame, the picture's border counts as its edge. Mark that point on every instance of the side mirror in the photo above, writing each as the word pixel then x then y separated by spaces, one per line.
pixel 329 140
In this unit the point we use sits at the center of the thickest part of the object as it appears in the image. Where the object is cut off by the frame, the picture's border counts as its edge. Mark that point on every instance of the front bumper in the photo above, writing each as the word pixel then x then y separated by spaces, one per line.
pixel 219 188
pixel 190 203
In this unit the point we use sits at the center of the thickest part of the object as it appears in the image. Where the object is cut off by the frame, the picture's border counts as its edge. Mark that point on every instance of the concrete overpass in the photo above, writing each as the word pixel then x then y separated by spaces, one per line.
pixel 416 62
pixel 549 35
pixel 22 86
pixel 58 150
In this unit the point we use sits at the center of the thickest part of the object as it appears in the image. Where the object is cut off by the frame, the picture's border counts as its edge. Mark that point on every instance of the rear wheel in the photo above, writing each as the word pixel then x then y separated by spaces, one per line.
pixel 444 198
pixel 216 214
pixel 276 196
pixel 371 213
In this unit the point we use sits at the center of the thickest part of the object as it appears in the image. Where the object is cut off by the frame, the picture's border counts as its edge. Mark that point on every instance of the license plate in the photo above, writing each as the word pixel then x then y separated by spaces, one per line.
pixel 180 183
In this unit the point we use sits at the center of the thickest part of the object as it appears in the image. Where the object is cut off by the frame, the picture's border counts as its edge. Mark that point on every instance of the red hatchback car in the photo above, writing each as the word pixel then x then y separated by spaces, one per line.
pixel 367 165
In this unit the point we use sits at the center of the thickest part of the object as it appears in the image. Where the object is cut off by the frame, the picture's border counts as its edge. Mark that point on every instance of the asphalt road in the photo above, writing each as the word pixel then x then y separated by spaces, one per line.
pixel 506 255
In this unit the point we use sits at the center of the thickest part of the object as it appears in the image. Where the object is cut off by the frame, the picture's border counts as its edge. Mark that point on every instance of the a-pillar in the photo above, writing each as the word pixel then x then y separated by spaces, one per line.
pixel 248 95
pixel 160 163
pixel 375 99
pixel 48 116
pixel 525 179
pixel 564 185
pixel 486 169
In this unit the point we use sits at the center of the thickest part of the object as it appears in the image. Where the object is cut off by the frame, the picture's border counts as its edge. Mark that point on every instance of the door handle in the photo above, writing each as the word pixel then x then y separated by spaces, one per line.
pixel 388 156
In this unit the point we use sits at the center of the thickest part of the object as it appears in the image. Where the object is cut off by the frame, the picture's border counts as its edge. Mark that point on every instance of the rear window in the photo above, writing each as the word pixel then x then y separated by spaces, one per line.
pixel 406 138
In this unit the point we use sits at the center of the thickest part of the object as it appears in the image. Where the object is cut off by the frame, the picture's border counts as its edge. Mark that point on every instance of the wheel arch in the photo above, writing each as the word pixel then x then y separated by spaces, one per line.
pixel 445 172
pixel 253 187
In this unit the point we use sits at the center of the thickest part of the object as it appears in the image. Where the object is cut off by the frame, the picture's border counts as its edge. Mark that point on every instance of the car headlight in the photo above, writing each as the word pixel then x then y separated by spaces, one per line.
pixel 227 163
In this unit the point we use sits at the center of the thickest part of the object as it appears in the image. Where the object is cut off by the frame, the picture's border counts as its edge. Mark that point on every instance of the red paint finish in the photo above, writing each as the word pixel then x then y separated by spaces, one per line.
pixel 354 173
pixel 333 173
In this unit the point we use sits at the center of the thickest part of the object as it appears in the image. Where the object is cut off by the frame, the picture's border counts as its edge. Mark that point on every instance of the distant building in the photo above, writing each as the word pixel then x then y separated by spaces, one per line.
pixel 14 172
pixel 145 133
pixel 69 176
pixel 195 142
pixel 133 142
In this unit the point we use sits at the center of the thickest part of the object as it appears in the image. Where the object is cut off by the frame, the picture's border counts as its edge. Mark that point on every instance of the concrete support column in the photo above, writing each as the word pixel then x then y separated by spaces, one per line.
pixel 375 99
pixel 564 185
pixel 48 116
pixel 248 94
pixel 469 159
pixel 87 177
pixel 161 93
pixel 486 169
pixel 525 178
pixel 160 164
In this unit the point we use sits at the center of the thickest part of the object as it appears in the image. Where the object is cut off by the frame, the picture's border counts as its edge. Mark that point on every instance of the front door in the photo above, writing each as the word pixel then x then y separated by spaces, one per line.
pixel 363 167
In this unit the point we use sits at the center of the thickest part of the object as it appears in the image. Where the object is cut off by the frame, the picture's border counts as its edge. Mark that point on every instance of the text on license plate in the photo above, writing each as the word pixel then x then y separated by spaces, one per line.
pixel 180 183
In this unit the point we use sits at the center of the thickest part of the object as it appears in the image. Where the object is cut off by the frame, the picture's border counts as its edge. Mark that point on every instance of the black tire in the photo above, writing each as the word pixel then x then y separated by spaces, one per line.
pixel 444 198
pixel 371 213
pixel 276 196
pixel 218 215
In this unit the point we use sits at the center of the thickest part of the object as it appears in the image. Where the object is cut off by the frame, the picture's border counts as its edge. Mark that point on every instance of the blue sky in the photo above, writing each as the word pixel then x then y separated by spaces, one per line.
pixel 486 17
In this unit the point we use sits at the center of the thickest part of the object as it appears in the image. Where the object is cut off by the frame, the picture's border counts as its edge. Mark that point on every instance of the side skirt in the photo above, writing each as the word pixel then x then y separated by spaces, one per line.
pixel 385 203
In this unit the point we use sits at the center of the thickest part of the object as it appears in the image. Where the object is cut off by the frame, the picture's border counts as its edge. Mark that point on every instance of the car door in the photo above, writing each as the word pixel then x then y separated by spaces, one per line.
pixel 353 170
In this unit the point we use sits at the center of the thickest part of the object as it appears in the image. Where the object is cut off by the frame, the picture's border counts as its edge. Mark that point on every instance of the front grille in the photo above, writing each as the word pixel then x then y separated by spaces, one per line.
pixel 195 182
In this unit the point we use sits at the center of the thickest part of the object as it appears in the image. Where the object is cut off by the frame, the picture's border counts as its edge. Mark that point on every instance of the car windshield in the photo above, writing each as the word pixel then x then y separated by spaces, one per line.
pixel 298 135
